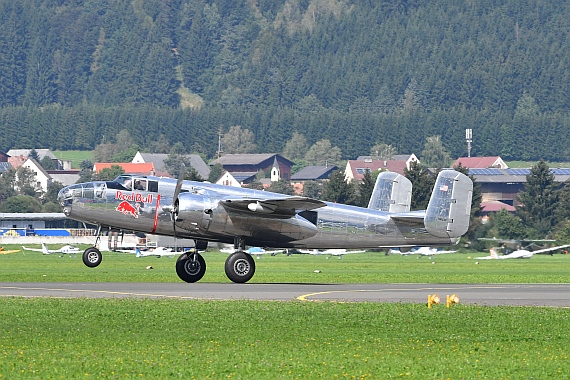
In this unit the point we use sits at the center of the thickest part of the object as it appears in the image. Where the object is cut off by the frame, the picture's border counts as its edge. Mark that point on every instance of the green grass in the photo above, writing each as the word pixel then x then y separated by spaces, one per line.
pixel 75 156
pixel 134 338
pixel 355 268
pixel 68 338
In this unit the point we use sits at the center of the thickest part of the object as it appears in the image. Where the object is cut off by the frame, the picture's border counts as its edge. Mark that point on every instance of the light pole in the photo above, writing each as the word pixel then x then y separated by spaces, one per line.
pixel 469 138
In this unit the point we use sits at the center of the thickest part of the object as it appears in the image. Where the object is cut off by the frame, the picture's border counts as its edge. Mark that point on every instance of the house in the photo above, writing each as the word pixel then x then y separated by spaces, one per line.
pixel 481 162
pixel 311 173
pixel 495 206
pixel 409 158
pixel 253 163
pixel 43 179
pixel 59 164
pixel 17 161
pixel 65 177
pixel 355 169
pixel 158 160
pixel 236 179
pixel 3 157
pixel 504 184
pixel 128 167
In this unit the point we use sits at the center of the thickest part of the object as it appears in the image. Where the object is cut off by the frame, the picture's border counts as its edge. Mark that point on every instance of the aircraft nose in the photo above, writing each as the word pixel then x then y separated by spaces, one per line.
pixel 65 198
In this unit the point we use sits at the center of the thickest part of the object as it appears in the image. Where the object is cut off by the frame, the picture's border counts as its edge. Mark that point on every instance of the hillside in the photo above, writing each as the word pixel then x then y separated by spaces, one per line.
pixel 74 73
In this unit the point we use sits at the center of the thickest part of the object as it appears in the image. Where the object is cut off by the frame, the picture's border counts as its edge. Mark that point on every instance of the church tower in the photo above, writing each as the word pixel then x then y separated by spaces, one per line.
pixel 275 173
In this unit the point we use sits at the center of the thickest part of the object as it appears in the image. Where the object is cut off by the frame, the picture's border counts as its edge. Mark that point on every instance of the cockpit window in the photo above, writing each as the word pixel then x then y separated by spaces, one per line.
pixel 125 180
pixel 140 184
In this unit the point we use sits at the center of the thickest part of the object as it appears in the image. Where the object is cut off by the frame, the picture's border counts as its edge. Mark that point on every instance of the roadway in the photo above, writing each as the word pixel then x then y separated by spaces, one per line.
pixel 557 295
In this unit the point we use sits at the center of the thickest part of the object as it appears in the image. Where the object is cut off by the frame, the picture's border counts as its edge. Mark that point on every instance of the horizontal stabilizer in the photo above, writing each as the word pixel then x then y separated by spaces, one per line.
pixel 392 193
pixel 449 207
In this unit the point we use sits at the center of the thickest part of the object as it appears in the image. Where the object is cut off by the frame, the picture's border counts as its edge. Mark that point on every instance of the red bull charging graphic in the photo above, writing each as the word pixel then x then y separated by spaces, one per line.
pixel 126 207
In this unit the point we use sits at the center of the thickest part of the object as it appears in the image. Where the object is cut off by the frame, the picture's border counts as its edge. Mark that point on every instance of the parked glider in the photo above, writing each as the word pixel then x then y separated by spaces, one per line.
pixel 66 249
pixel 207 212
pixel 519 254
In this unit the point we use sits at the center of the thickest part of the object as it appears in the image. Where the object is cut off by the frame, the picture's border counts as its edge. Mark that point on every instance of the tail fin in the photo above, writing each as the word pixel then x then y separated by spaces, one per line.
pixel 449 207
pixel 392 193
pixel 494 254
pixel 45 249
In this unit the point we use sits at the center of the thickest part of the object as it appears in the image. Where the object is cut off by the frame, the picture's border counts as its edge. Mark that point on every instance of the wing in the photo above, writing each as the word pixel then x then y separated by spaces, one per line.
pixel 550 249
pixel 32 249
pixel 279 206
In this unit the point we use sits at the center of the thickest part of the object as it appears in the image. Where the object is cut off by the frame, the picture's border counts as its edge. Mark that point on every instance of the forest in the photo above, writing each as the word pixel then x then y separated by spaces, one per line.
pixel 74 73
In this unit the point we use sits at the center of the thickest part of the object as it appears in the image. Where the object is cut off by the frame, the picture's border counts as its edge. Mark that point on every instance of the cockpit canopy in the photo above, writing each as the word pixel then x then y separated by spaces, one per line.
pixel 133 182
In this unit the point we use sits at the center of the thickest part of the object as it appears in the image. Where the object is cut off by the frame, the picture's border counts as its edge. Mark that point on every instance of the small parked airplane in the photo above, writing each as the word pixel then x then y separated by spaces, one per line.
pixel 66 249
pixel 158 252
pixel 5 252
pixel 330 252
pixel 519 254
pixel 516 244
pixel 426 251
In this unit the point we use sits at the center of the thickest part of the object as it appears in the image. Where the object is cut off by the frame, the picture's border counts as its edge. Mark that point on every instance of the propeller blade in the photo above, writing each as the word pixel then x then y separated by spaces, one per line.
pixel 175 199
pixel 179 182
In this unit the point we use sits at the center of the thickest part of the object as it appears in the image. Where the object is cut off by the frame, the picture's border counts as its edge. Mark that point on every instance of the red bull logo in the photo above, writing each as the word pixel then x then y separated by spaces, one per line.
pixel 127 208
pixel 133 197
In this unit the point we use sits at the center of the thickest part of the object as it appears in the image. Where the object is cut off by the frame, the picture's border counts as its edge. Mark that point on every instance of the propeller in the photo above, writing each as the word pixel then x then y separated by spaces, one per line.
pixel 173 208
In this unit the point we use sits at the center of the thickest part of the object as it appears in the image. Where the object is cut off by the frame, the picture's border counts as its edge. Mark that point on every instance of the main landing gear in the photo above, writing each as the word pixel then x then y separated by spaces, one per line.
pixel 239 267
pixel 92 257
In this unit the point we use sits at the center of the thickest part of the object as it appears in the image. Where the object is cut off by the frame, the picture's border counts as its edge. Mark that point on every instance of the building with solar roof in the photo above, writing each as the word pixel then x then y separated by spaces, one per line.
pixel 504 184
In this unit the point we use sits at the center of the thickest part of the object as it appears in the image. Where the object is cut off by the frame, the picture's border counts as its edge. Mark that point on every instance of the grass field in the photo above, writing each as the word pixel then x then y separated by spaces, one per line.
pixel 356 268
pixel 75 156
pixel 143 338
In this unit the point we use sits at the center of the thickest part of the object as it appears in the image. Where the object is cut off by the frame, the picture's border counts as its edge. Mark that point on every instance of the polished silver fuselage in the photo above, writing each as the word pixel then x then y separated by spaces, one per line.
pixel 331 226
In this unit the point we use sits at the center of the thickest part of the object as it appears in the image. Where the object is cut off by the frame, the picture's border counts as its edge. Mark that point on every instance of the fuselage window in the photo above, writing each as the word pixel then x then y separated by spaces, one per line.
pixel 153 186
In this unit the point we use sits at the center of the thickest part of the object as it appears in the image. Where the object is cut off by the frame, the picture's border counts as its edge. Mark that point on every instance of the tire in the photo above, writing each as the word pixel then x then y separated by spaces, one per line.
pixel 240 267
pixel 92 257
pixel 189 269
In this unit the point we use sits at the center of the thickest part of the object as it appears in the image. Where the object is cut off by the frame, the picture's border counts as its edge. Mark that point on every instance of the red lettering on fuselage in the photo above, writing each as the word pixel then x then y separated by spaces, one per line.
pixel 133 197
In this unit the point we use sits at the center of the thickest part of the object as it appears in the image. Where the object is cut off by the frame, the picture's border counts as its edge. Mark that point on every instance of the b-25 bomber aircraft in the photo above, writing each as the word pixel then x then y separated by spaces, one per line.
pixel 207 212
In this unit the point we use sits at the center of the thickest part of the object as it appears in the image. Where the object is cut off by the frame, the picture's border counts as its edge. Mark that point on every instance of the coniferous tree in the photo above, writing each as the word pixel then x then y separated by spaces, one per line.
pixel 337 189
pixel 538 201
pixel 365 189
pixel 422 185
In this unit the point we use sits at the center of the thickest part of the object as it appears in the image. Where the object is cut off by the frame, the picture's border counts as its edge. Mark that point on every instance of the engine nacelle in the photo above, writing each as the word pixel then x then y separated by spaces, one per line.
pixel 193 212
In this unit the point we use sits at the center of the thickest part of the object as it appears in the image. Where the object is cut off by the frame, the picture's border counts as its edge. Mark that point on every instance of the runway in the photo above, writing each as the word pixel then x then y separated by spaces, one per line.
pixel 556 295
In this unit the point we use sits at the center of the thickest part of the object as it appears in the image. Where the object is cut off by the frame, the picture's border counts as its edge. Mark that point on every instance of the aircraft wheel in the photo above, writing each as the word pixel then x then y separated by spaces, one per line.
pixel 190 269
pixel 92 257
pixel 240 267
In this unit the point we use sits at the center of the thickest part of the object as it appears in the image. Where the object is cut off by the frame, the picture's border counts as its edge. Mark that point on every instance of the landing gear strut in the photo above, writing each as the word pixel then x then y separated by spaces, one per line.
pixel 92 257
pixel 240 266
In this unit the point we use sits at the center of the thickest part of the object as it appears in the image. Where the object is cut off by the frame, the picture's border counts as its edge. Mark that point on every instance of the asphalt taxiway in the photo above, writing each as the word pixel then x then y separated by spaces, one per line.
pixel 556 295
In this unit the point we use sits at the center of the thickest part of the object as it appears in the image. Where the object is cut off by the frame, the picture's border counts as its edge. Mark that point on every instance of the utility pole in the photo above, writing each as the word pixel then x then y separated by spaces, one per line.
pixel 469 138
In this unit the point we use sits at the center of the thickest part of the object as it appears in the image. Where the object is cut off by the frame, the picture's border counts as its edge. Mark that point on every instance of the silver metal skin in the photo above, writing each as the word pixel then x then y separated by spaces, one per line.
pixel 210 212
